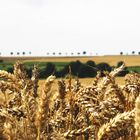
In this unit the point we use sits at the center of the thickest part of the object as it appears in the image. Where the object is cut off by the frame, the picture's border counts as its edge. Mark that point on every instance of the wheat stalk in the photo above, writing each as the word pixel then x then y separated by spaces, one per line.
pixel 43 106
pixel 137 118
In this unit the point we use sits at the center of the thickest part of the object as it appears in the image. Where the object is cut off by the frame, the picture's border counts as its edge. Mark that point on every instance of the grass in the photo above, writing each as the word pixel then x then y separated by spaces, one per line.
pixel 59 65
pixel 6 64
pixel 136 69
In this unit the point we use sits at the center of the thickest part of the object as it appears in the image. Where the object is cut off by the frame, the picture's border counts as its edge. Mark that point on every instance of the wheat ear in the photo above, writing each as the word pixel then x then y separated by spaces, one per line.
pixel 119 126
pixel 137 118
pixel 43 106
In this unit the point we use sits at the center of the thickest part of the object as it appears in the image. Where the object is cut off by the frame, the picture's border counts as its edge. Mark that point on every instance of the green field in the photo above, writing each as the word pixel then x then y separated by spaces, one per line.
pixel 6 65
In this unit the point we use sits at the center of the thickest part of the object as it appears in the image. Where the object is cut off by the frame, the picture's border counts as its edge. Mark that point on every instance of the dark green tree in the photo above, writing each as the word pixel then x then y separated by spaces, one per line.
pixel 23 53
pixel 104 67
pixel 124 72
pixel 75 65
pixel 84 52
pixel 133 52
pixel 91 63
pixel 86 71
pixel 50 69
pixel 119 63
pixel 11 53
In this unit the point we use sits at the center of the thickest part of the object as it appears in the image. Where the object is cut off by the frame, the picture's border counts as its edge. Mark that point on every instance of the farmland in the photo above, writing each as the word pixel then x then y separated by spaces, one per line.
pixel 68 108
pixel 85 81
pixel 130 60
pixel 97 108
pixel 84 67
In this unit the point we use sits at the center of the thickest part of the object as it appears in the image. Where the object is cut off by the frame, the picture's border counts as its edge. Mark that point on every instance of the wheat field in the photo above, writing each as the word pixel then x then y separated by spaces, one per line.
pixel 84 81
pixel 103 108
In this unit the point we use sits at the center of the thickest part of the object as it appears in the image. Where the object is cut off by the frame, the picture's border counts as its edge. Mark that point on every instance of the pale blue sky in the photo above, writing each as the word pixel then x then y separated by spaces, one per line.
pixel 97 26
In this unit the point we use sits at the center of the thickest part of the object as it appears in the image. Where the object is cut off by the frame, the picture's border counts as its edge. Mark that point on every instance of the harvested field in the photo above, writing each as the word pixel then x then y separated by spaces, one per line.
pixel 111 60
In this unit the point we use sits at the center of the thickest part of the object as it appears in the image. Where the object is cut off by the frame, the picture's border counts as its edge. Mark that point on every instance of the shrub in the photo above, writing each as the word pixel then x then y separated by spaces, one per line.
pixel 104 67
pixel 86 71
pixel 49 69
pixel 91 63
pixel 124 71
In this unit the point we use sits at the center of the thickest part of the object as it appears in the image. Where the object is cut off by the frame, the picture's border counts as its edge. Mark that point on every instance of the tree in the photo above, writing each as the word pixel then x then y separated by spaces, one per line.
pixel 121 53
pixel 74 68
pixel 84 52
pixel 49 69
pixel 9 69
pixel 29 72
pixel 91 63
pixel 11 53
pixel 119 63
pixel 59 53
pixel 86 71
pixel 138 53
pixel 124 71
pixel 104 67
pixel 133 52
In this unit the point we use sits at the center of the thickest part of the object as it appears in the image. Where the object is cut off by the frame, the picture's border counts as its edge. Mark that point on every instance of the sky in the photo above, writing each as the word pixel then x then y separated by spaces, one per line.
pixel 95 26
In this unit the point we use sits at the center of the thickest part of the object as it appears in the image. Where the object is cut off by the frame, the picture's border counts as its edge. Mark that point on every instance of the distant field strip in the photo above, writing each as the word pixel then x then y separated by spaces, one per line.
pixel 130 60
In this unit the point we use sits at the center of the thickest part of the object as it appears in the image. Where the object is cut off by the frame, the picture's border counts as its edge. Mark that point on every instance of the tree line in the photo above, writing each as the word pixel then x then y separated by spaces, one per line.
pixel 79 69
pixel 76 68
